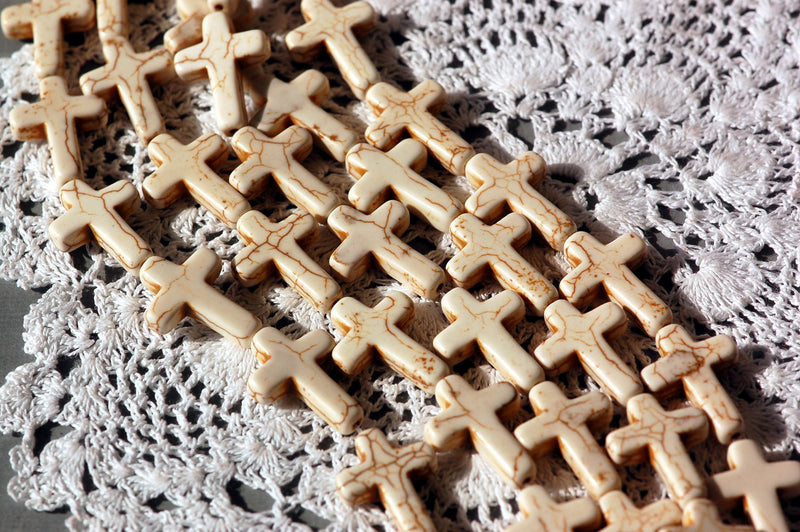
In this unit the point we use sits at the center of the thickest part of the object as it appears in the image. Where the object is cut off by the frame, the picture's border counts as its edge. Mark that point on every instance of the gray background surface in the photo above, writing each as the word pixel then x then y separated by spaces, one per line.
pixel 15 304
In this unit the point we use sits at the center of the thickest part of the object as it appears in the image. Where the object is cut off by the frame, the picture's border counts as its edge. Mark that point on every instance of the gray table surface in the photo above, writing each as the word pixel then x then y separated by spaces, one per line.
pixel 16 303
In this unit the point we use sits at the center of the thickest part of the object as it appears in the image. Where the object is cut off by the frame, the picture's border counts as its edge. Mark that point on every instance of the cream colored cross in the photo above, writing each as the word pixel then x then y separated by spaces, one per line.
pixel 128 74
pixel 484 323
pixel 380 173
pixel 692 364
pixel 368 330
pixel 55 117
pixel 384 471
pixel 45 21
pixel 186 290
pixel 622 515
pixel 280 246
pixel 191 168
pixel 280 158
pixel 597 265
pixel 493 246
pixel 477 415
pixel 397 111
pixel 587 336
pixel 216 57
pixel 299 102
pixel 702 515
pixel 102 213
pixel 293 365
pixel 654 432
pixel 760 484
pixel 542 514
pixel 513 184
pixel 374 236
pixel 570 423
pixel 335 28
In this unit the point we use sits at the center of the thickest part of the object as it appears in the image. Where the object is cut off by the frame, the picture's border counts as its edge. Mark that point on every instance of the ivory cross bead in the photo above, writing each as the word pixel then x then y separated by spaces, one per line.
pixel 294 365
pixel 654 432
pixel 101 213
pixel 56 117
pixel 299 102
pixel 368 236
pixel 189 30
pixel 280 158
pixel 513 185
pixel 597 265
pixel 336 27
pixel 385 471
pixel 493 247
pixel 570 422
pixel 45 21
pixel 587 336
pixel 479 414
pixel 279 246
pixel 692 364
pixel 380 173
pixel 397 111
pixel 622 515
pixel 191 168
pixel 217 57
pixel 186 290
pixel 368 330
pixel 760 484
pixel 701 515
pixel 543 514
pixel 128 74
pixel 484 324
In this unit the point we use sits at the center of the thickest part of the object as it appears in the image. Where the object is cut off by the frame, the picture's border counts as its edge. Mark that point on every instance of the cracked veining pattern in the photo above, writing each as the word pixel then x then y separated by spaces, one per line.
pixel 701 515
pixel 336 28
pixel 189 31
pixel 280 157
pixel 100 213
pixel 112 18
pixel 299 102
pixel 493 246
pixel 191 169
pixel 384 471
pixel 622 515
pixel 397 111
pixel 45 21
pixel 685 361
pixel 128 74
pixel 479 415
pixel 513 185
pixel 663 436
pixel 374 236
pixel 293 365
pixel 217 58
pixel 54 118
pixel 186 290
pixel 379 173
pixel 542 514
pixel 610 266
pixel 760 483
pixel 280 246
pixel 570 423
pixel 587 336
pixel 484 324
pixel 368 330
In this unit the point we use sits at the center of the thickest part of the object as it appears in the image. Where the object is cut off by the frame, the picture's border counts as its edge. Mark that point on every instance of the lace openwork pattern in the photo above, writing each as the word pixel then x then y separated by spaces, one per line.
pixel 677 121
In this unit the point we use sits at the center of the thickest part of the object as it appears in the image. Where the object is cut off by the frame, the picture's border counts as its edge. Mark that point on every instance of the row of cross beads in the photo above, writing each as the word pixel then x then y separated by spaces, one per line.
pixel 205 44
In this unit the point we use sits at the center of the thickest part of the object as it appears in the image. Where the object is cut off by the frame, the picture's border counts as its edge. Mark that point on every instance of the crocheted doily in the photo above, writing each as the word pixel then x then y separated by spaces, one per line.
pixel 677 121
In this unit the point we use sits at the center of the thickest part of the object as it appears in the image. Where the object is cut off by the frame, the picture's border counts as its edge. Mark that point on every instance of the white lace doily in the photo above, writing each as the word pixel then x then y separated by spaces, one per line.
pixel 677 121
